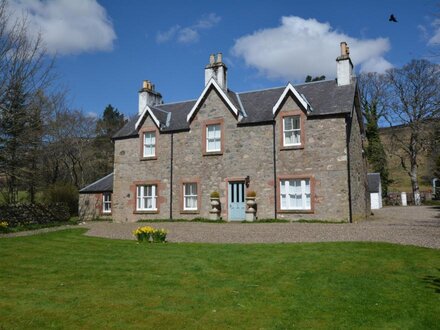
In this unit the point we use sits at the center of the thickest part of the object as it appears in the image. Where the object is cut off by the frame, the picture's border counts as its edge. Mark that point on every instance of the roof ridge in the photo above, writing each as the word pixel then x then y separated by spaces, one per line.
pixel 178 102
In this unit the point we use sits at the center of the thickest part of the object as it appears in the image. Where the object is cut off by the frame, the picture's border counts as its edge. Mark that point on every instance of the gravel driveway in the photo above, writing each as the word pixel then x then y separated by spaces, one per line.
pixel 403 225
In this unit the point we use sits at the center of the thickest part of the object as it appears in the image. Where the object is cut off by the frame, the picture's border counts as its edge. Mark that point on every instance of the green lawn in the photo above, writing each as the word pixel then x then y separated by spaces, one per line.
pixel 66 280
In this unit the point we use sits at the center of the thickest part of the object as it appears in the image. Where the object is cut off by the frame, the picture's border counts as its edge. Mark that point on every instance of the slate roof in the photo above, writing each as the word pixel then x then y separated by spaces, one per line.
pixel 373 182
pixel 104 184
pixel 325 97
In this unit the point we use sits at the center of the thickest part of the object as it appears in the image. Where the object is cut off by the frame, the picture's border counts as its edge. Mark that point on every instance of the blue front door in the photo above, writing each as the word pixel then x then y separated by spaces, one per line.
pixel 236 203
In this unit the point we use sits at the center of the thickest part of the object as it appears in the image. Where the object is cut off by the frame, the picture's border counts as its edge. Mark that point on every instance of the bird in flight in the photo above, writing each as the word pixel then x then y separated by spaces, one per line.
pixel 392 19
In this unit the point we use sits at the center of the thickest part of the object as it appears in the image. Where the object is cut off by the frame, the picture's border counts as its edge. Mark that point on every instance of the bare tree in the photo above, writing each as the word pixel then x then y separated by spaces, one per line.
pixel 414 103
pixel 25 71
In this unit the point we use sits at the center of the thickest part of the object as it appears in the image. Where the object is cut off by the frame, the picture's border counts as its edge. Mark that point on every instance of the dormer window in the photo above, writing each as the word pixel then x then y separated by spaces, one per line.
pixel 291 131
pixel 149 144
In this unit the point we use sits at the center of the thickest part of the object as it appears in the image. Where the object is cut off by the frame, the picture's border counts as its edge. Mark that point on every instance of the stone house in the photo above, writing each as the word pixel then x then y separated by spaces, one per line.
pixel 299 147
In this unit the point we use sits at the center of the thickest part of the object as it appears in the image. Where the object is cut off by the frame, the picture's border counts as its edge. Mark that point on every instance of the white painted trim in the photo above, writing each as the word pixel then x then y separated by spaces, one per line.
pixel 225 98
pixel 292 89
pixel 147 110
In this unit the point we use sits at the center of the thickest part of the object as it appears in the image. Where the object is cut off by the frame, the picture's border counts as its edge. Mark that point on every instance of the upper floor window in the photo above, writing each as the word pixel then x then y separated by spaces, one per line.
pixel 190 196
pixel 291 131
pixel 146 197
pixel 295 194
pixel 106 203
pixel 149 144
pixel 213 138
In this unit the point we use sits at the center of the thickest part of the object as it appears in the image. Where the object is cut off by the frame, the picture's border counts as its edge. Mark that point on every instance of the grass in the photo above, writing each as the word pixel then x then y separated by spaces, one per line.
pixel 34 226
pixel 66 280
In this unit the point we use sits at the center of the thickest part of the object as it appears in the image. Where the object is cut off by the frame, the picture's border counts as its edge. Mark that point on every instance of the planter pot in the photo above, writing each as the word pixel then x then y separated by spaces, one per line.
pixel 214 213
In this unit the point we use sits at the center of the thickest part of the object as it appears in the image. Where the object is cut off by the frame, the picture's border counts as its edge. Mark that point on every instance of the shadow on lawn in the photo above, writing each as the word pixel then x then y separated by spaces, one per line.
pixel 433 282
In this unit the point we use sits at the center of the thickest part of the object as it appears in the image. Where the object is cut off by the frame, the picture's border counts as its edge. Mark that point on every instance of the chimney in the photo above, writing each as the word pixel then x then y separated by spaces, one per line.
pixel 344 66
pixel 216 69
pixel 148 96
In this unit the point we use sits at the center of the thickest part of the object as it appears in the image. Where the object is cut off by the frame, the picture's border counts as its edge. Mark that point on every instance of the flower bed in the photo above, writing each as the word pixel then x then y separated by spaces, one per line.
pixel 150 235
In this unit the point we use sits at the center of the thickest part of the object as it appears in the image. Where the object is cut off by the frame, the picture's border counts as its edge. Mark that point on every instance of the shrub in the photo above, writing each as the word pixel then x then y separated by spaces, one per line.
pixel 215 194
pixel 251 193
pixel 63 193
pixel 149 234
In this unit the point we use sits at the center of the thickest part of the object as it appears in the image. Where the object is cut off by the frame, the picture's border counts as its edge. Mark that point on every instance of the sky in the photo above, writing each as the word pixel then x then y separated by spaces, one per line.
pixel 104 49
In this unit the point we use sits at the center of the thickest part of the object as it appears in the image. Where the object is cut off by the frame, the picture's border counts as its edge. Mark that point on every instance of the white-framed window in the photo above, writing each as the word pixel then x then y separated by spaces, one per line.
pixel 213 138
pixel 149 144
pixel 190 196
pixel 295 194
pixel 106 203
pixel 292 131
pixel 146 197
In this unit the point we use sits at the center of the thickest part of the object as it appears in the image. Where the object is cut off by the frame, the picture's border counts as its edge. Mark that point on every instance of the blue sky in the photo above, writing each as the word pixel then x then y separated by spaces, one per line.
pixel 106 48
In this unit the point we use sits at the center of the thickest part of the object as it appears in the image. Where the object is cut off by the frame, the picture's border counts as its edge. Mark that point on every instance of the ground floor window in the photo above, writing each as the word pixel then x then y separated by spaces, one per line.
pixel 106 203
pixel 146 197
pixel 190 196
pixel 295 194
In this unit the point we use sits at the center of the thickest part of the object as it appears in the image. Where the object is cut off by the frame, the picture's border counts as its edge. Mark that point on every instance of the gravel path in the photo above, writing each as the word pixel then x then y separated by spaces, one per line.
pixel 403 225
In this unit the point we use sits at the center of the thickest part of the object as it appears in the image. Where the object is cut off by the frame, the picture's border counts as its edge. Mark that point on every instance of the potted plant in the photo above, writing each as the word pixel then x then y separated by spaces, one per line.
pixel 214 213
pixel 251 209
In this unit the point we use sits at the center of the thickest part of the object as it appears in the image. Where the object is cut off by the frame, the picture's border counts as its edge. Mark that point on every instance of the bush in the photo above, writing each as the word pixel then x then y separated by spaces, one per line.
pixel 16 215
pixel 63 193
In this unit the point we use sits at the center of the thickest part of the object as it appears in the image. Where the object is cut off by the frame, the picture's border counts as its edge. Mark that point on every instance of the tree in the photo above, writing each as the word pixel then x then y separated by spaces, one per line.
pixel 414 102
pixel 373 90
pixel 25 71
pixel 106 127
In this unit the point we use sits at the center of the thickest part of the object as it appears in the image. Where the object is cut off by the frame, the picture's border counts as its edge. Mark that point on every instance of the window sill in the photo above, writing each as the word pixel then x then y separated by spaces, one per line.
pixel 296 211
pixel 292 147
pixel 106 213
pixel 148 158
pixel 189 212
pixel 213 153
pixel 146 212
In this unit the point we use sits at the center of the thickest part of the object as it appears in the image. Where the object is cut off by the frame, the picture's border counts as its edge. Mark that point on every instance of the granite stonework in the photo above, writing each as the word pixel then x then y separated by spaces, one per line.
pixel 360 198
pixel 130 169
pixel 247 151
pixel 90 207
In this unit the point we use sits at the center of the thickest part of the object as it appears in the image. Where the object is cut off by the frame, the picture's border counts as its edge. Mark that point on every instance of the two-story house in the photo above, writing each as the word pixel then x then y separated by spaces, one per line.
pixel 299 147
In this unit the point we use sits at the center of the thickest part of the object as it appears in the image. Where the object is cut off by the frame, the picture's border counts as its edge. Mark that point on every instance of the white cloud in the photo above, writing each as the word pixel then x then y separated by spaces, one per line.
pixel 66 26
pixel 189 34
pixel 167 35
pixel 435 39
pixel 301 47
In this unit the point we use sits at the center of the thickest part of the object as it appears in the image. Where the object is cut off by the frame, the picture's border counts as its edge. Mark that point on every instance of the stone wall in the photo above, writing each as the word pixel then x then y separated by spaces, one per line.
pixel 360 198
pixel 323 157
pixel 247 151
pixel 90 207
pixel 130 169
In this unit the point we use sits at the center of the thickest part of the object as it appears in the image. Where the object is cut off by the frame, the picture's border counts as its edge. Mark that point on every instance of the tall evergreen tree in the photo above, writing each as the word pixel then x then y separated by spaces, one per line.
pixel 373 95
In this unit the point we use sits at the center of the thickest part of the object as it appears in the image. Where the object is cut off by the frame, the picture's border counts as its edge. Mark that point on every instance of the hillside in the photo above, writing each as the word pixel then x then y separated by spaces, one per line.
pixel 401 180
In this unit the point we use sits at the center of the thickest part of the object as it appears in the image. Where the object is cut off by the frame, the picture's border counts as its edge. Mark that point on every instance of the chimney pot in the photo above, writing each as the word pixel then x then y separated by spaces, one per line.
pixel 145 84
pixel 211 59
pixel 344 50
pixel 219 58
